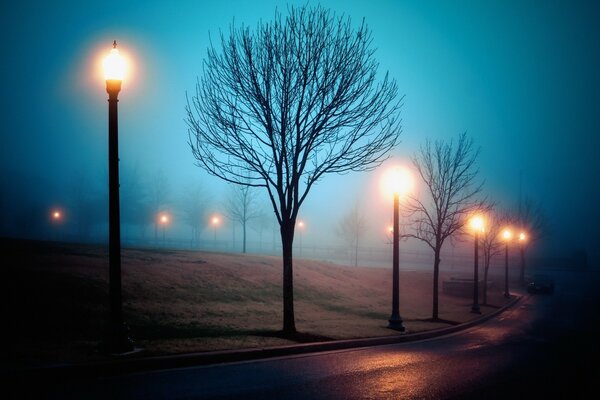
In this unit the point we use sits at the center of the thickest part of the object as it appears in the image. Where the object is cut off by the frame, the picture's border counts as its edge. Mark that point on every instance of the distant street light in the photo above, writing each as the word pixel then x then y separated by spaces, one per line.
pixel 478 226
pixel 507 236
pixel 215 221
pixel 164 221
pixel 397 182
pixel 56 217
pixel 118 337
pixel 300 226
pixel 522 241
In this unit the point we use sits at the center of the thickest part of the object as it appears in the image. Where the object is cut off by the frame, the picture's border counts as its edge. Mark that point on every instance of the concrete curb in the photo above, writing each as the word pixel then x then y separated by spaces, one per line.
pixel 131 365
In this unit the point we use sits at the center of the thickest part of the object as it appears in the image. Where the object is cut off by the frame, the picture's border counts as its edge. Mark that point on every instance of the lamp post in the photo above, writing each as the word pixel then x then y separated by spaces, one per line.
pixel 56 216
pixel 522 240
pixel 164 221
pixel 118 337
pixel 477 225
pixel 300 230
pixel 215 223
pixel 398 182
pixel 507 235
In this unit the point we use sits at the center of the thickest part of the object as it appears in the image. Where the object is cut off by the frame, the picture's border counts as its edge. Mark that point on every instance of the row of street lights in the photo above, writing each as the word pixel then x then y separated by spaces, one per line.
pixel 398 181
pixel 478 226
pixel 118 340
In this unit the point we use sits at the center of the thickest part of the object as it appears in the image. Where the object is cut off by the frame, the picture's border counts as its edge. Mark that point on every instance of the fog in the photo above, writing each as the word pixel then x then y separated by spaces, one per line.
pixel 521 78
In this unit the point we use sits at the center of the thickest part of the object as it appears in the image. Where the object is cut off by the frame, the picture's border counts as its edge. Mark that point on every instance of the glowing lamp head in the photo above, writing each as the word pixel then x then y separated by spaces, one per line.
pixel 114 70
pixel 477 224
pixel 300 224
pixel 215 221
pixel 522 237
pixel 164 219
pixel 397 181
pixel 56 215
pixel 507 234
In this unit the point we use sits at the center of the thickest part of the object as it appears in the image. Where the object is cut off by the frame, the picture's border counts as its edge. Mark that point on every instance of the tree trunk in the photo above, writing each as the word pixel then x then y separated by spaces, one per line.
pixel 244 237
pixel 436 276
pixel 485 279
pixel 287 241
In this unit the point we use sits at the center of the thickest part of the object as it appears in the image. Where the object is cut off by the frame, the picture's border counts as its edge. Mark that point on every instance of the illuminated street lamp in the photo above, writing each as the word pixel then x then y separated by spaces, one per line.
pixel 164 221
pixel 397 182
pixel 507 236
pixel 56 217
pixel 522 241
pixel 477 225
pixel 118 338
pixel 215 221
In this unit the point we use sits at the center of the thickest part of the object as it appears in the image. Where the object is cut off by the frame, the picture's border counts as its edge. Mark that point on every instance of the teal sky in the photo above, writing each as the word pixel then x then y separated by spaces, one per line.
pixel 521 77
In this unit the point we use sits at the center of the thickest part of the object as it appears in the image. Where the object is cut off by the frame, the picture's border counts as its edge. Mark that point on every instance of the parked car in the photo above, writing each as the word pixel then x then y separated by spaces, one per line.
pixel 541 284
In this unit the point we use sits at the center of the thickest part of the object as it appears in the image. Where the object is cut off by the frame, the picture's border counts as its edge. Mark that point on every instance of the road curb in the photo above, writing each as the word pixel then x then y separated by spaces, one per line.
pixel 131 365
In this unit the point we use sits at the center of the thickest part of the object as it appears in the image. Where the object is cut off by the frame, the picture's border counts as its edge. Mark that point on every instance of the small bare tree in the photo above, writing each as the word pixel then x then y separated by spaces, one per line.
pixel 450 175
pixel 193 207
pixel 242 206
pixel 352 228
pixel 532 221
pixel 288 103
pixel 491 241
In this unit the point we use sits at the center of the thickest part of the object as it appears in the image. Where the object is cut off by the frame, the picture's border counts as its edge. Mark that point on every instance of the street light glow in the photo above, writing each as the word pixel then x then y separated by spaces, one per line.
pixel 164 219
pixel 507 234
pixel 477 223
pixel 301 224
pixel 114 65
pixel 522 237
pixel 397 181
pixel 215 220
pixel 56 215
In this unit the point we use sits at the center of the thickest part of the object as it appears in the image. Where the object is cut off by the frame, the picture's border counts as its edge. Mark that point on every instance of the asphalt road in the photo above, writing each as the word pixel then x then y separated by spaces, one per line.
pixel 544 347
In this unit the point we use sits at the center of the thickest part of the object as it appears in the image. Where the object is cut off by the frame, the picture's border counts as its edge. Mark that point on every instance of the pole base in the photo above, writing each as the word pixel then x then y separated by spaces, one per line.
pixel 507 295
pixel 118 340
pixel 475 309
pixel 395 323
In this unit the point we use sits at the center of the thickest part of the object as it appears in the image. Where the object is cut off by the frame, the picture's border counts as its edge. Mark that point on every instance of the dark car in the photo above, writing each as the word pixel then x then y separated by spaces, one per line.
pixel 541 284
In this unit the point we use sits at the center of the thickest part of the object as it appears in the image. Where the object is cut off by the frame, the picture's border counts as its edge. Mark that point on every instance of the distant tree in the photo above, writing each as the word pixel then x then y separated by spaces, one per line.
pixel 262 222
pixel 288 103
pixel 193 208
pixel 449 172
pixel 242 206
pixel 352 228
pixel 134 197
pixel 492 243
pixel 533 222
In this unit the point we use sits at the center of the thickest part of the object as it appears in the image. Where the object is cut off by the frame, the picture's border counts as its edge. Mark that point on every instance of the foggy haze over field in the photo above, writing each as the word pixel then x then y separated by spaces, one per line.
pixel 520 77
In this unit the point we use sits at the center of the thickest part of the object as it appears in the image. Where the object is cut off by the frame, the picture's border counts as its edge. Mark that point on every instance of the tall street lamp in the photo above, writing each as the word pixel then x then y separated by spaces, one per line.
pixel 522 240
pixel 118 336
pixel 507 236
pixel 478 226
pixel 398 182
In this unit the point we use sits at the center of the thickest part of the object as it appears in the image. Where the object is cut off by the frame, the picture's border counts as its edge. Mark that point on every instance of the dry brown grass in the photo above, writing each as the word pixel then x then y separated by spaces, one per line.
pixel 184 301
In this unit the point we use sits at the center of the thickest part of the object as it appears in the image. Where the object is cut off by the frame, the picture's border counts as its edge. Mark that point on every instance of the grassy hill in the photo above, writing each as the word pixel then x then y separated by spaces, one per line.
pixel 56 300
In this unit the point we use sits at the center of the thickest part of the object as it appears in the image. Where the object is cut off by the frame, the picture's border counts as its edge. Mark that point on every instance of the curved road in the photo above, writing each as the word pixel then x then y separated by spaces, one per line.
pixel 544 347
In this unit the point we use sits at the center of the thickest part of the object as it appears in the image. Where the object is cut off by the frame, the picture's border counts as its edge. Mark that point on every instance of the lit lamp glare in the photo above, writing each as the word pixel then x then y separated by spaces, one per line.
pixel 398 181
pixel 477 224
pixel 507 235
pixel 522 237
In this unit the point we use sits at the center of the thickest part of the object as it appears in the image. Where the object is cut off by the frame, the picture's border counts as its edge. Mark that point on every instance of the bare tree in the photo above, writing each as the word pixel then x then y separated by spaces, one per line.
pixel 281 106
pixel 242 206
pixel 450 175
pixel 532 221
pixel 193 206
pixel 491 242
pixel 352 228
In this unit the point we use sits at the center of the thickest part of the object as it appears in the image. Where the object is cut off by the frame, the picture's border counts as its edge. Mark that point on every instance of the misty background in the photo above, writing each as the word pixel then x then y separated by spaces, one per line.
pixel 520 77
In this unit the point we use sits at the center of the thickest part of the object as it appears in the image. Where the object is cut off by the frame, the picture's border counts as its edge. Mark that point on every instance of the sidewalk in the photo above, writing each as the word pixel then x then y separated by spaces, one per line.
pixel 122 364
